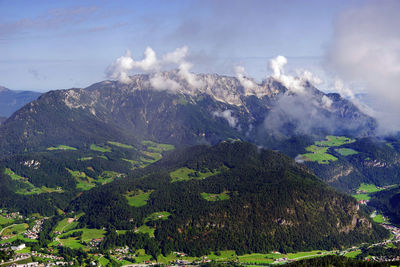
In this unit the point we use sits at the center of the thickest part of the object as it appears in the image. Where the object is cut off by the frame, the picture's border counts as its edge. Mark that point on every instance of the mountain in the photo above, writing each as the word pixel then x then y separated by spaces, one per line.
pixel 221 108
pixel 229 196
pixel 2 119
pixel 11 101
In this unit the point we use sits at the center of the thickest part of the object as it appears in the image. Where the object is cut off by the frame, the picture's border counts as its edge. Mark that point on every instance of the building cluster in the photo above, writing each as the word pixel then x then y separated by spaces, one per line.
pixel 363 202
pixel 94 243
pixel 394 229
pixel 34 232
pixel 383 258
pixel 12 215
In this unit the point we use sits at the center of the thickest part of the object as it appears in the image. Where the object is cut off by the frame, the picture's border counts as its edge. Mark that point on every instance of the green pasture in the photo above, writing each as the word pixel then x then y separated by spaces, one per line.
pixel 186 174
pixel 138 199
pixel 346 151
pixel 62 147
pixel 160 215
pixel 216 197
pixel 117 144
pixel 332 140
pixel 100 148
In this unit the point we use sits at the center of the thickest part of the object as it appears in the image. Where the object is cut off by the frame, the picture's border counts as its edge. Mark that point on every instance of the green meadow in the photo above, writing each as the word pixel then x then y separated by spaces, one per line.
pixel 216 197
pixel 29 188
pixel 160 215
pixel 84 182
pixel 319 151
pixel 62 147
pixel 332 140
pixel 346 151
pixel 100 148
pixel 186 174
pixel 138 199
pixel 120 145
pixel 144 229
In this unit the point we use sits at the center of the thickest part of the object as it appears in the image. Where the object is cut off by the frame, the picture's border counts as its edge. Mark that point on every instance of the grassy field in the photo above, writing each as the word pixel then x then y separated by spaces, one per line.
pixel 29 188
pixel 318 154
pixel 72 242
pixel 108 176
pixel 66 225
pixel 15 176
pixel 14 229
pixel 186 174
pixel 4 220
pixel 24 250
pixel 258 258
pixel 353 254
pixel 368 188
pixel 160 215
pixel 379 218
pixel 85 158
pixel 150 157
pixel 335 141
pixel 364 190
pixel 216 197
pixel 19 237
pixel 319 151
pixel 62 147
pixel 138 199
pixel 142 256
pixel 103 261
pixel 133 162
pixel 99 148
pixel 88 234
pixel 144 229
pixel 84 182
pixel 120 144
pixel 359 197
pixel 346 151
pixel 156 147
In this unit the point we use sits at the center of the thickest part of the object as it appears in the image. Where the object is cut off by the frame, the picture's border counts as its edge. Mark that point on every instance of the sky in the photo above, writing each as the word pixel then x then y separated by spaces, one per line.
pixel 46 45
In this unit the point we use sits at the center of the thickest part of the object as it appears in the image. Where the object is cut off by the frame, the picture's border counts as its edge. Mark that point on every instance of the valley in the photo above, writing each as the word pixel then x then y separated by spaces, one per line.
pixel 166 178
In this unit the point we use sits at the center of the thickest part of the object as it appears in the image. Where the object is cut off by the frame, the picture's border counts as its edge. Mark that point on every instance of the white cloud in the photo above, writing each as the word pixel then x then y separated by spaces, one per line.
pixel 227 115
pixel 292 83
pixel 276 65
pixel 366 48
pixel 241 74
pixel 326 102
pixel 192 80
pixel 177 56
pixel 123 66
pixel 159 82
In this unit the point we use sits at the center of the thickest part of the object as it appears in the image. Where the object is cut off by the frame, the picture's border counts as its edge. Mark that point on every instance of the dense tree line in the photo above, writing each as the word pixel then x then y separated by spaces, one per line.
pixel 339 261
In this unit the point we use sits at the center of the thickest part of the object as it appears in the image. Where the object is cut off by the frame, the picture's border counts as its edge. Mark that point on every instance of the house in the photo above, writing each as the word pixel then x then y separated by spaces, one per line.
pixel 19 247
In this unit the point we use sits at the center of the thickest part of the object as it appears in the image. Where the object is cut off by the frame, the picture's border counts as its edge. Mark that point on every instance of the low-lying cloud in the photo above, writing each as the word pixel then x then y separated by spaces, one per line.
pixel 241 75
pixel 227 115
pixel 366 48
pixel 123 66
pixel 304 110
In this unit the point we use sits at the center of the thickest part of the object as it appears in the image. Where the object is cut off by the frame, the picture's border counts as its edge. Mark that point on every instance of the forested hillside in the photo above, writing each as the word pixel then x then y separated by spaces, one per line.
pixel 230 196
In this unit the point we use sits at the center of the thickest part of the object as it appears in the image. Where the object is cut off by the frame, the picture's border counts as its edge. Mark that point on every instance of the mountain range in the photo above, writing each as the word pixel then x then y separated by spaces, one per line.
pixel 268 114
pixel 11 101
pixel 185 151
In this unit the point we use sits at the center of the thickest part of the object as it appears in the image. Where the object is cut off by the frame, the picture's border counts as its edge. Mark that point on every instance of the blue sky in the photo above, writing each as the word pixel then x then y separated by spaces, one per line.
pixel 48 45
